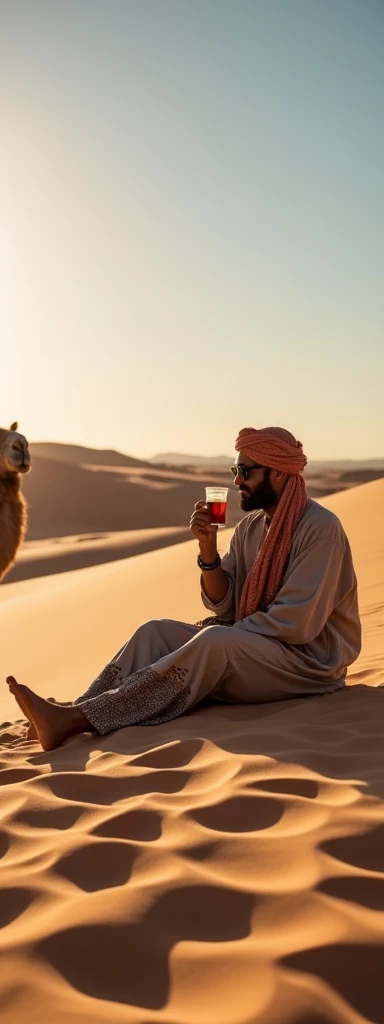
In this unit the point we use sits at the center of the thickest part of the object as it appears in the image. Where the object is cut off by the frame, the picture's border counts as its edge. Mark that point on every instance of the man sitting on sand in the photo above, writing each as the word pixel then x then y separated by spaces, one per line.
pixel 286 595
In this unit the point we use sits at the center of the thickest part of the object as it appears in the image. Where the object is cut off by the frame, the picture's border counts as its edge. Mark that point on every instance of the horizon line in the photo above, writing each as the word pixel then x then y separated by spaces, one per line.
pixel 325 458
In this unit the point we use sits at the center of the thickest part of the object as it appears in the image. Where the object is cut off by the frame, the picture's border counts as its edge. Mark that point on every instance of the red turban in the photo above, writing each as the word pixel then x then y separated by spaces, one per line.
pixel 277 448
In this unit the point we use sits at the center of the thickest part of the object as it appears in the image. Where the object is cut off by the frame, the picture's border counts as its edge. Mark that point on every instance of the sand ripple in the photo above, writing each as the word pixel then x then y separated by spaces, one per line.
pixel 225 868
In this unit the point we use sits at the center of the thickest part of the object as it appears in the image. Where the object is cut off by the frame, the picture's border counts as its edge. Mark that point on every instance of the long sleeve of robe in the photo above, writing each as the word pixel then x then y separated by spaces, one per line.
pixel 316 608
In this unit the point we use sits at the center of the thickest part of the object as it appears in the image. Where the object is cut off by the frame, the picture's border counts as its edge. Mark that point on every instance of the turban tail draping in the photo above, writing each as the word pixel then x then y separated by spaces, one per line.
pixel 278 449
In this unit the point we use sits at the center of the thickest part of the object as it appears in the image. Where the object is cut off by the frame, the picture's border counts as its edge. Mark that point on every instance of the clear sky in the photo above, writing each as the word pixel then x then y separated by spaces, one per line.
pixel 192 222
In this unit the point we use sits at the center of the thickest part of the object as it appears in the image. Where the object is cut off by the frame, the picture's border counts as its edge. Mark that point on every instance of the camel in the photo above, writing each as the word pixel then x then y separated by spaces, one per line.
pixel 14 461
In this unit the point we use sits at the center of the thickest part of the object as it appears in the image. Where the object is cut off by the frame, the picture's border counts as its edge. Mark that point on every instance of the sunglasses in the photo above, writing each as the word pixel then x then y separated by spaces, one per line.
pixel 245 470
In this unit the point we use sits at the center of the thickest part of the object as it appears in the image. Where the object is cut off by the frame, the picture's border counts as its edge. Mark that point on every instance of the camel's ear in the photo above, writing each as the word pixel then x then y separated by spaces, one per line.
pixel 13 426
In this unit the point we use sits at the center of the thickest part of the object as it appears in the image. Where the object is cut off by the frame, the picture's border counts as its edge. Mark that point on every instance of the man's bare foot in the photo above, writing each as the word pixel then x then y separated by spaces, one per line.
pixel 31 731
pixel 53 722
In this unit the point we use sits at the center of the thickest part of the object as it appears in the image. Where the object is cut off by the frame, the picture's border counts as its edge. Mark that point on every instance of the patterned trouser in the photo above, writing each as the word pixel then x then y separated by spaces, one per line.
pixel 168 667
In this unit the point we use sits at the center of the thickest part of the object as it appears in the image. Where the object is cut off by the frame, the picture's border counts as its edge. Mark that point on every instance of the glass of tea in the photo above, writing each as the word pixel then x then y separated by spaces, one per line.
pixel 216 500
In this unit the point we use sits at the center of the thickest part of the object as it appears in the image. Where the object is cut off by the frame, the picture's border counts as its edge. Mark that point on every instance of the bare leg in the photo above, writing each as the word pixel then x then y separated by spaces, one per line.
pixel 53 723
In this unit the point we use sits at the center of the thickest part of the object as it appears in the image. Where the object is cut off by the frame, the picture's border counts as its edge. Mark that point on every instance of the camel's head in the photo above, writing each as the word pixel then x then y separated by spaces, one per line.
pixel 14 454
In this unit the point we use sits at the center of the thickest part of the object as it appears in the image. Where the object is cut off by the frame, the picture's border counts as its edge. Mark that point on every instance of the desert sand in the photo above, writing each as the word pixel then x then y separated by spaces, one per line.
pixel 61 554
pixel 224 868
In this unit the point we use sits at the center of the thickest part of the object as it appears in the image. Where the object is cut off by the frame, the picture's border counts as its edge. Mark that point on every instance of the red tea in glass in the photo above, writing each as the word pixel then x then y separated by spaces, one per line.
pixel 216 500
pixel 218 511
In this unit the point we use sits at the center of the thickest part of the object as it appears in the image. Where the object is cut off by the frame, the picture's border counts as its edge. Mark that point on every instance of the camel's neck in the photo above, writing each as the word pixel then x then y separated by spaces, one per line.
pixel 12 520
pixel 9 485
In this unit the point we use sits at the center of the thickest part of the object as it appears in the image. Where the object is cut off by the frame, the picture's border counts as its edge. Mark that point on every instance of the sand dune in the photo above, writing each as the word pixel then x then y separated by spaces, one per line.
pixel 225 868
pixel 68 499
pixel 79 455
pixel 62 554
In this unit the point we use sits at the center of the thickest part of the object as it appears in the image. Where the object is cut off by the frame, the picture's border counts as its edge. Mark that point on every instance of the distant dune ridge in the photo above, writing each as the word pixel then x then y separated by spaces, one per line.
pixel 224 868
pixel 108 457
pixel 314 465
pixel 79 455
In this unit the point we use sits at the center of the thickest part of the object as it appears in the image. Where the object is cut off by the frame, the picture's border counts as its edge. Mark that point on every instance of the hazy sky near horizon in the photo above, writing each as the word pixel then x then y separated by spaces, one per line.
pixel 192 222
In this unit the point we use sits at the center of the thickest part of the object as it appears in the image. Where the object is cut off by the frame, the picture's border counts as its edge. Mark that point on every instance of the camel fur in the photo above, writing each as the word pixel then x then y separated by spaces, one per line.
pixel 14 462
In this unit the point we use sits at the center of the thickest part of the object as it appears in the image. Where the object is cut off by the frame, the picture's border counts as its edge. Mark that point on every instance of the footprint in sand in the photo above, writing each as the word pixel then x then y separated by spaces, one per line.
pixel 368 892
pixel 50 817
pixel 307 788
pixel 4 844
pixel 240 814
pixel 139 825
pixel 129 962
pixel 174 755
pixel 97 789
pixel 9 776
pixel 98 865
pixel 14 901
pixel 354 971
pixel 362 851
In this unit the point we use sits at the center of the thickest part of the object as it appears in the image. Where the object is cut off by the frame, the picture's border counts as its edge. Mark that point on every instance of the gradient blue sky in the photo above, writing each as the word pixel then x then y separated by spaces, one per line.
pixel 192 225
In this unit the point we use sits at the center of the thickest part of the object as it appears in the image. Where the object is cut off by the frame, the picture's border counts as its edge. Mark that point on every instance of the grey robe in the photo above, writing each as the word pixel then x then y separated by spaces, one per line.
pixel 316 608
pixel 300 646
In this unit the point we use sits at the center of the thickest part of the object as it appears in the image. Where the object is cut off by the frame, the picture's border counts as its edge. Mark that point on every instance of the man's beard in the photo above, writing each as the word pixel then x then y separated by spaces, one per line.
pixel 263 496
